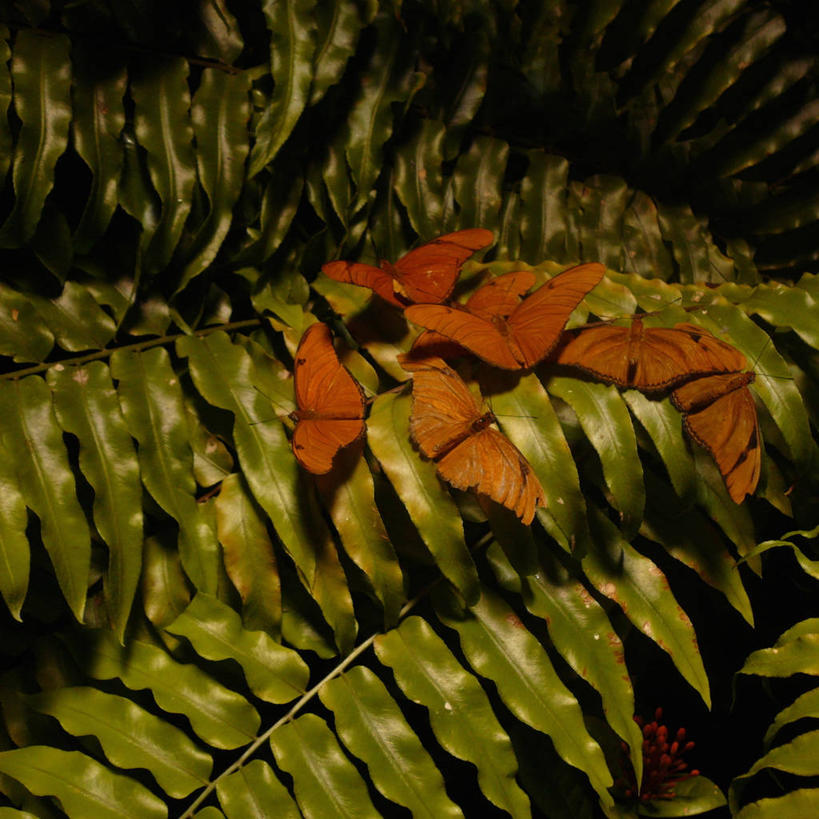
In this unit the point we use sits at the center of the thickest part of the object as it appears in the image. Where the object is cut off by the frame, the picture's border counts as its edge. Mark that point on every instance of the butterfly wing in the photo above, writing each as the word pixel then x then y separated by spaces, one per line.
pixel 316 442
pixel 363 275
pixel 443 408
pixel 493 466
pixel 720 415
pixel 428 273
pixel 501 295
pixel 535 325
pixel 479 335
pixel 330 412
pixel 448 425
pixel 648 358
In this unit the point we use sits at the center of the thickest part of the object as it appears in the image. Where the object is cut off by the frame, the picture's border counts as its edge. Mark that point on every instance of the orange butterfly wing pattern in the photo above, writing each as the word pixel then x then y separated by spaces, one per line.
pixel 719 413
pixel 647 358
pixel 450 428
pixel 426 274
pixel 497 298
pixel 523 337
pixel 330 412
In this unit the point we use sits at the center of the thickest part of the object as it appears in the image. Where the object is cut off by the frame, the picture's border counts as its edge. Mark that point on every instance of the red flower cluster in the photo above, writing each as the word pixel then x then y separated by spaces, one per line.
pixel 663 765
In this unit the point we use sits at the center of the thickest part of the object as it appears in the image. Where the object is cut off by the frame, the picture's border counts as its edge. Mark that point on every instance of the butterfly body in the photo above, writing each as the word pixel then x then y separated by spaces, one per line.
pixel 330 413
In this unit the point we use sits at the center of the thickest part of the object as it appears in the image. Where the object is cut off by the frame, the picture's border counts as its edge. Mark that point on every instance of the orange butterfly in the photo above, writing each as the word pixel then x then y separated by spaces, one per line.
pixel 647 358
pixel 523 336
pixel 330 412
pixel 497 298
pixel 426 274
pixel 719 413
pixel 451 428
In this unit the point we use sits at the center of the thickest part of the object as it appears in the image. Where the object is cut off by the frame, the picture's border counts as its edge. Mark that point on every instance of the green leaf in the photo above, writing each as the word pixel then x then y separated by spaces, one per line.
pixel 664 53
pixel 76 319
pixel 32 438
pixel 130 736
pixel 527 417
pixel 87 406
pixel 219 113
pixel 273 672
pixel 371 726
pixel 460 714
pixel 83 786
pixel 99 117
pixel 692 540
pixel 280 202
pixel 221 717
pixel 663 424
pixel 151 399
pixel 800 802
pixel 698 258
pixel 607 424
pixel 220 36
pixel 582 632
pixel 599 203
pixel 641 589
pixel 163 128
pixel 477 180
pixel 499 647
pixel 292 27
pixel 339 27
pixel 325 782
pixel 6 143
pixel 800 756
pixel 348 495
pixel 805 706
pixel 781 305
pixel 799 655
pixel 371 120
pixel 14 549
pixel 703 86
pixel 544 227
pixel 254 792
pixel 165 591
pixel 644 251
pixel 224 374
pixel 23 333
pixel 419 179
pixel 415 480
pixel 249 557
pixel 691 797
pixel 41 70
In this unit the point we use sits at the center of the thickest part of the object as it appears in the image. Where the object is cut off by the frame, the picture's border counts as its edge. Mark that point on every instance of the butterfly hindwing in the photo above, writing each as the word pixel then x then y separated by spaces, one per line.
pixel 719 413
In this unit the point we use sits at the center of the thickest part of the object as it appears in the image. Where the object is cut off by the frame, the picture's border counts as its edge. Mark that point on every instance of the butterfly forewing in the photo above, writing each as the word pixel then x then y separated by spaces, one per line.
pixel 428 273
pixel 536 324
pixel 363 275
